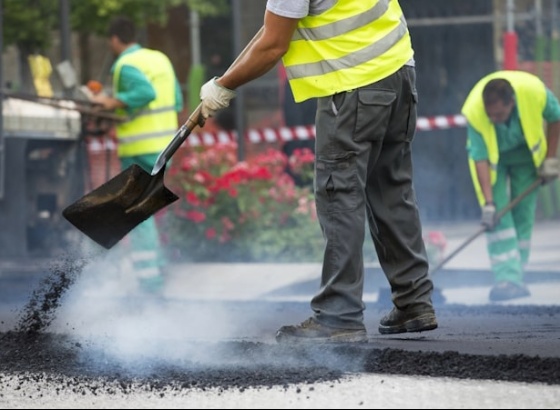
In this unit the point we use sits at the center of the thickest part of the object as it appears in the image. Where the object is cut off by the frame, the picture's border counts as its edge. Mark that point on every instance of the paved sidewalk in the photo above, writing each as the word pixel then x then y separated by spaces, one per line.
pixel 545 246
pixel 298 282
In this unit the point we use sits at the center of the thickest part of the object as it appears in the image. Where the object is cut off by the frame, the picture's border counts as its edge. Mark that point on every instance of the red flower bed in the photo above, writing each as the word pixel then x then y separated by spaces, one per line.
pixel 246 211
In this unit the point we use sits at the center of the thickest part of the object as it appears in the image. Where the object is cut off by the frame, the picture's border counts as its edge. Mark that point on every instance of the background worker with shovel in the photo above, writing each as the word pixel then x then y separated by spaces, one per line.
pixel 508 151
pixel 145 89
pixel 356 57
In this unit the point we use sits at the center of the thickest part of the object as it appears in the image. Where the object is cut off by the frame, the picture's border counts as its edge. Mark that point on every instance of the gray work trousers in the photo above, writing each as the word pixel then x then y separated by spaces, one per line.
pixel 364 167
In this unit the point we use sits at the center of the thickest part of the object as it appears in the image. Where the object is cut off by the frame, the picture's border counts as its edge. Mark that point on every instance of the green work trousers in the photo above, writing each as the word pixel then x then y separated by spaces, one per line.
pixel 146 254
pixel 509 243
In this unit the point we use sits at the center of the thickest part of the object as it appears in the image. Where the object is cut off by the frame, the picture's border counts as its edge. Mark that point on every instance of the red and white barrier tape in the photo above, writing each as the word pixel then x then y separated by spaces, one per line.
pixel 440 122
pixel 255 136
pixel 101 144
pixel 282 134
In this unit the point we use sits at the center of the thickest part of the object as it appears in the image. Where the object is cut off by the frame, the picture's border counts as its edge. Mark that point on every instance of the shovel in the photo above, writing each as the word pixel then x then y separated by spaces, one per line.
pixel 111 211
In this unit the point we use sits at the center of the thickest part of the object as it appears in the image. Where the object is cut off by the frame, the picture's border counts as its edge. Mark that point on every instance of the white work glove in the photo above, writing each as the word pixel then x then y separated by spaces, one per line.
pixel 214 98
pixel 488 218
pixel 550 169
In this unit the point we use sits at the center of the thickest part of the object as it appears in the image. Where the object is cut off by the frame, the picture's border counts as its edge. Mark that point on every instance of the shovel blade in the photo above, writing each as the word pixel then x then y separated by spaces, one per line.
pixel 112 210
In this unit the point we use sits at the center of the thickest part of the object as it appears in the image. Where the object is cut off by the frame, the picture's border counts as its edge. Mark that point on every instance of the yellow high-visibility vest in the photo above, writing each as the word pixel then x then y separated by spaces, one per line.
pixel 151 129
pixel 350 45
pixel 41 70
pixel 530 98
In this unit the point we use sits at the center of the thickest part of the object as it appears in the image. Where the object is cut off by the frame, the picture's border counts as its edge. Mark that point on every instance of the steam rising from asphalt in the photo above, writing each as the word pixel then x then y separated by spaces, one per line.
pixel 92 301
pixel 106 311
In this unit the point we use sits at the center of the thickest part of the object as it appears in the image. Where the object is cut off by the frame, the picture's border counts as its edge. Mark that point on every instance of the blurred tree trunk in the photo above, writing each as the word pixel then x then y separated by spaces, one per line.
pixel 26 80
pixel 85 60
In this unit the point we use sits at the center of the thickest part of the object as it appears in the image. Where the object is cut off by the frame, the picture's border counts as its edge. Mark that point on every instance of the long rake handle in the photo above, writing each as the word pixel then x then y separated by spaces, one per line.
pixel 483 229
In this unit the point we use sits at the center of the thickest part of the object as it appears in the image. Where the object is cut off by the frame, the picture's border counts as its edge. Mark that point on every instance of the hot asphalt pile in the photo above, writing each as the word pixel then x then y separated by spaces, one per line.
pixel 31 352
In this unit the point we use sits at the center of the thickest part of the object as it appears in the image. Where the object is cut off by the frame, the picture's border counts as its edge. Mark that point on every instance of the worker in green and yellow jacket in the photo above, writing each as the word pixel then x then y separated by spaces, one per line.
pixel 509 149
pixel 145 89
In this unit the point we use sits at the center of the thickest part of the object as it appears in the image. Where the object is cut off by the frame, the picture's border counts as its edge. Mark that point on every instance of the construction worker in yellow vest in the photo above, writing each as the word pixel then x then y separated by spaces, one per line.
pixel 145 89
pixel 508 150
pixel 356 58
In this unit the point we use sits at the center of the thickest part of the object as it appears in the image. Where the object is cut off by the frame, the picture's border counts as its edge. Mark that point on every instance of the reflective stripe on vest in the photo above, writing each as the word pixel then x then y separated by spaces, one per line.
pixel 151 128
pixel 530 98
pixel 350 45
pixel 154 111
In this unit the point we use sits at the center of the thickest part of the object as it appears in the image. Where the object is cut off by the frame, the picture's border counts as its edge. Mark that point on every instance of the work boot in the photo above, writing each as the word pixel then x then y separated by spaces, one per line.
pixel 311 331
pixel 508 290
pixel 412 319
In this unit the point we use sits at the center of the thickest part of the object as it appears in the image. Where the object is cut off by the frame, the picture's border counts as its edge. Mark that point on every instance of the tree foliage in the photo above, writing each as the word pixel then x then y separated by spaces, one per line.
pixel 29 23
pixel 208 7
pixel 92 16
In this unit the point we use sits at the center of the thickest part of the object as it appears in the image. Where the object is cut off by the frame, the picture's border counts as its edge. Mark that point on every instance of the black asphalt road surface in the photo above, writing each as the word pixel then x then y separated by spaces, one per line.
pixel 491 342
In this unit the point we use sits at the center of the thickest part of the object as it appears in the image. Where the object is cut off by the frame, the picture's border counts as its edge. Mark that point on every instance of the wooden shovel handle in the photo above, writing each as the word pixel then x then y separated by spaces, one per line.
pixel 195 119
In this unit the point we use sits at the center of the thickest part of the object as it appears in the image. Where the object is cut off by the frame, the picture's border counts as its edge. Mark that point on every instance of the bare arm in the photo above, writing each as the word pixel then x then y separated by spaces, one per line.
pixel 483 174
pixel 108 103
pixel 264 51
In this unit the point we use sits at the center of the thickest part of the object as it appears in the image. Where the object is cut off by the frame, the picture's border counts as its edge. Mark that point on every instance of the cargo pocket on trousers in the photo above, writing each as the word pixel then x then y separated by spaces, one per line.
pixel 412 117
pixel 336 188
pixel 373 114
